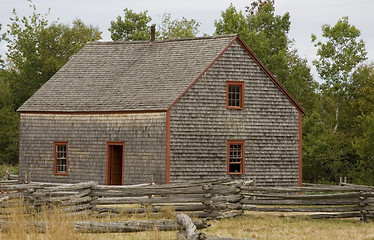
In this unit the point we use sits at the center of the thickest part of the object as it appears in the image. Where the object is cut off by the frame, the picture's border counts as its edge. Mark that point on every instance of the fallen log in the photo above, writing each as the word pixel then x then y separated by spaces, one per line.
pixel 189 232
pixel 116 227
pixel 189 228
pixel 335 215
pixel 133 226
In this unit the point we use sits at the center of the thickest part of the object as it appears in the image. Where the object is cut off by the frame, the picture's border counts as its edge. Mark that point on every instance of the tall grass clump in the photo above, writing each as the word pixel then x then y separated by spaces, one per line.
pixel 22 222
pixel 12 169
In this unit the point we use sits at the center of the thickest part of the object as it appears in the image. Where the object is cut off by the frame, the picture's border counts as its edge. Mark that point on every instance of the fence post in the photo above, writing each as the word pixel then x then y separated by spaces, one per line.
pixel 363 204
pixel 93 198
pixel 7 175
pixel 223 200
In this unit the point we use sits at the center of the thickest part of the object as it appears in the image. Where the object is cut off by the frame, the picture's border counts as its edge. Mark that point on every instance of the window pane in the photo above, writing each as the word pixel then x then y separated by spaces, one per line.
pixel 234 95
pixel 61 158
pixel 234 168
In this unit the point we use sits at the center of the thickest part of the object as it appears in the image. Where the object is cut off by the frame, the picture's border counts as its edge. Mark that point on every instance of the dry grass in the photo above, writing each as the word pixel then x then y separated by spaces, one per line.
pixel 24 224
pixel 269 226
pixel 256 225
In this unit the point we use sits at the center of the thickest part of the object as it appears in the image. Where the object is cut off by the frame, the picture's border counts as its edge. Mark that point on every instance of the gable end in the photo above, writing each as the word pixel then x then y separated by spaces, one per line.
pixel 257 61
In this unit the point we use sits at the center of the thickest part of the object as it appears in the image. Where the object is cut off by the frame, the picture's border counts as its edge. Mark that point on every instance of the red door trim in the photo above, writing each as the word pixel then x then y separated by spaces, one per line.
pixel 107 172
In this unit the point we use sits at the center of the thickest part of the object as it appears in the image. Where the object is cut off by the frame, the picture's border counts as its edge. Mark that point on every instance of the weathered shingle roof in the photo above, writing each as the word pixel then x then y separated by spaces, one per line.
pixel 126 76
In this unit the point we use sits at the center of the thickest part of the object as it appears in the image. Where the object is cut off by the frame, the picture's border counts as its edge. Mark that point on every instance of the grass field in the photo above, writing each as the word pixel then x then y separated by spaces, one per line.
pixel 270 226
pixel 253 225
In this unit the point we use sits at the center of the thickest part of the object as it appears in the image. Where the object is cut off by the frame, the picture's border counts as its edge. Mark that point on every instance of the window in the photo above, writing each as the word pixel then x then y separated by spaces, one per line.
pixel 61 158
pixel 235 95
pixel 235 157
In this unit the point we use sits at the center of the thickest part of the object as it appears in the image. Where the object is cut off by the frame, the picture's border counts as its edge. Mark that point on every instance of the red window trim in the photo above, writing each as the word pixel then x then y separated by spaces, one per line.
pixel 55 158
pixel 235 83
pixel 242 167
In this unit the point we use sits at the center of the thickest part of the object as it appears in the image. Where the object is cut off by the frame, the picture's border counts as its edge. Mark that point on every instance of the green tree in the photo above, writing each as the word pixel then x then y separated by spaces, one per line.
pixel 1 58
pixel 358 116
pixel 364 145
pixel 37 49
pixel 136 26
pixel 231 22
pixel 268 36
pixel 132 27
pixel 9 123
pixel 338 57
pixel 173 29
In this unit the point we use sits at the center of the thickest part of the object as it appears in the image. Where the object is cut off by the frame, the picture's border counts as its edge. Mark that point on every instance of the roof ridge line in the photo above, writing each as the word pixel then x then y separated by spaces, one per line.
pixel 165 40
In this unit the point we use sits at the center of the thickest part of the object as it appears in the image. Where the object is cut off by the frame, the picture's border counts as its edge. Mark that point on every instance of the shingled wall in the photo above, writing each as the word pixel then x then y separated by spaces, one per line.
pixel 87 135
pixel 201 126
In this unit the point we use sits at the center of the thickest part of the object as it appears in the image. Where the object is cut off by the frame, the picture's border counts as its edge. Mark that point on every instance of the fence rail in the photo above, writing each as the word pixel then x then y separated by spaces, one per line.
pixel 207 199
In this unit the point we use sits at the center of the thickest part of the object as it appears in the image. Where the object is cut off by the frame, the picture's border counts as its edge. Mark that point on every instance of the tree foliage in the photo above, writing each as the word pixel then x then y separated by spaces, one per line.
pixel 173 29
pixel 340 55
pixel 132 27
pixel 9 123
pixel 346 108
pixel 231 22
pixel 136 26
pixel 338 58
pixel 37 49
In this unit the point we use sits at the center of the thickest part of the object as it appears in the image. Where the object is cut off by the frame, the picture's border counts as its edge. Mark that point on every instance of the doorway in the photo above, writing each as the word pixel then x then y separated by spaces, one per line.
pixel 115 163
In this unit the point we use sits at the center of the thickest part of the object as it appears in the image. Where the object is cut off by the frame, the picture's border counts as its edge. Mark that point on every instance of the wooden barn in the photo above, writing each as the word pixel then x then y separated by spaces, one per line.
pixel 162 111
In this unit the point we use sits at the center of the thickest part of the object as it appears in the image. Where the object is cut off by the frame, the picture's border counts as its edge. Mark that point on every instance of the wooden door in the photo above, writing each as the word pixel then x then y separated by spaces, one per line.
pixel 115 163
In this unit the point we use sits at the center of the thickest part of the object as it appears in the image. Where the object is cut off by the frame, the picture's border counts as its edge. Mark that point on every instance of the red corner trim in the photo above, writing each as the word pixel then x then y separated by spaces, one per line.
pixel 167 163
pixel 300 149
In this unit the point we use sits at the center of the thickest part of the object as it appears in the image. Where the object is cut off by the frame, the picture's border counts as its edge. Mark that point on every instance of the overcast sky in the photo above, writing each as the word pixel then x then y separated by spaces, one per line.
pixel 307 16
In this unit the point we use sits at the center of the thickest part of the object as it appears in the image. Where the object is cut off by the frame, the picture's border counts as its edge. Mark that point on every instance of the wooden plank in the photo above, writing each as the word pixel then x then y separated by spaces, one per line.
pixel 71 187
pixel 302 202
pixel 147 191
pixel 145 200
pixel 322 188
pixel 120 187
pixel 306 197
pixel 336 215
pixel 302 209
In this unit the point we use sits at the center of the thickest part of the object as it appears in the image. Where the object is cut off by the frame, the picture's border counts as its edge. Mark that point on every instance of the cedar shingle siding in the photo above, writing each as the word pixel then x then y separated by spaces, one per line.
pixel 124 92
pixel 87 135
pixel 201 126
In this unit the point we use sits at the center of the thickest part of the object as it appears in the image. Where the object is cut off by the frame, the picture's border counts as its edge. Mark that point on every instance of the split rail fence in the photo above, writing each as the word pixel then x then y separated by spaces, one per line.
pixel 206 199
